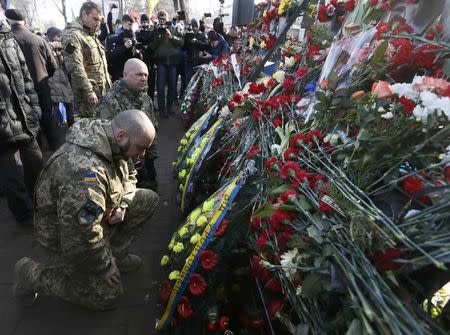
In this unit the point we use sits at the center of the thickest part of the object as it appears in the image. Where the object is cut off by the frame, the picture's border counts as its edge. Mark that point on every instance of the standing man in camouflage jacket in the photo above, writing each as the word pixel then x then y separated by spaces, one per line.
pixel 129 93
pixel 88 212
pixel 85 59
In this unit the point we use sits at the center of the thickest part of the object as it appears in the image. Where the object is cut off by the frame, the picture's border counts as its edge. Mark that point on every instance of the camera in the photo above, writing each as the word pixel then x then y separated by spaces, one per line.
pixel 207 15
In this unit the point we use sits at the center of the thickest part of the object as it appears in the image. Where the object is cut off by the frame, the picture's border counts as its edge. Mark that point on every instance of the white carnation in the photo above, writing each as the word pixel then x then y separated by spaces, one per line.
pixel 387 115
pixel 289 61
pixel 405 90
pixel 278 76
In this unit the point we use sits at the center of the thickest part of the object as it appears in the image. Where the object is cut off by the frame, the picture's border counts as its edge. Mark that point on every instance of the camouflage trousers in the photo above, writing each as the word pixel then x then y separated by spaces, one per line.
pixel 88 289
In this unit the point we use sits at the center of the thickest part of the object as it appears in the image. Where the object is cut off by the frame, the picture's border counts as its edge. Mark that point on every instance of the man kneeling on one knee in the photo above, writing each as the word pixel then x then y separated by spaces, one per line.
pixel 88 212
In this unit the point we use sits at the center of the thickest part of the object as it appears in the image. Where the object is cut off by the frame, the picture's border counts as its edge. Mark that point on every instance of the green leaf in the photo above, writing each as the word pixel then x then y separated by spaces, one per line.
pixel 321 96
pixel 379 53
pixel 280 189
pixel 304 203
pixel 312 285
pixel 364 135
pixel 264 211
pixel 446 67
pixel 314 233
pixel 333 80
pixel 288 208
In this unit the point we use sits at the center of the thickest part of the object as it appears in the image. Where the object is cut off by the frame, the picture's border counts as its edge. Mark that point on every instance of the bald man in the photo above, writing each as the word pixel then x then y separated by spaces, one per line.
pixel 88 212
pixel 129 93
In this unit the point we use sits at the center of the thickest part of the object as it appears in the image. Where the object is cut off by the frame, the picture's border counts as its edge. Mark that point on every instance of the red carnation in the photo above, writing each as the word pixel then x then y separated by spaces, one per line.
pixel 301 72
pixel 424 58
pixel 289 170
pixel 262 240
pixel 324 207
pixel 277 122
pixel 289 154
pixel 349 5
pixel 314 135
pixel 289 84
pixel 212 327
pixel 412 185
pixel 385 5
pixel 222 228
pixel 408 105
pixel 208 259
pixel 184 308
pixel 404 51
pixel 273 164
pixel 373 2
pixel 289 196
pixel 255 224
pixel 297 140
pixel 254 150
pixel 279 218
pixel 322 15
pixel 274 285
pixel 384 260
pixel 223 323
pixel 258 271
pixel 197 284
pixel 274 307
pixel 166 291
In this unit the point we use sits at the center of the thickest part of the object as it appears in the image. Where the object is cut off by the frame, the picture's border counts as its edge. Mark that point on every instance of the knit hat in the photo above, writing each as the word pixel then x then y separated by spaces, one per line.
pixel 194 23
pixel 212 36
pixel 52 32
pixel 144 17
pixel 14 14
pixel 126 33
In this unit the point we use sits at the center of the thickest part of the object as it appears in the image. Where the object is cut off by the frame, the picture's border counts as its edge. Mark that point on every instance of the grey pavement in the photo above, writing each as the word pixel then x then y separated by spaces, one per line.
pixel 139 307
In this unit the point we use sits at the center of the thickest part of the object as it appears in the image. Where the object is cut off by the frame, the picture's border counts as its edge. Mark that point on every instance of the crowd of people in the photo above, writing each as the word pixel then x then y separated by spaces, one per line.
pixel 89 200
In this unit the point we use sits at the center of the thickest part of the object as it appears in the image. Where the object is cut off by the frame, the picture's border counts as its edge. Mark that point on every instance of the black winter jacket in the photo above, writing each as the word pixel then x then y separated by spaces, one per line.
pixel 19 104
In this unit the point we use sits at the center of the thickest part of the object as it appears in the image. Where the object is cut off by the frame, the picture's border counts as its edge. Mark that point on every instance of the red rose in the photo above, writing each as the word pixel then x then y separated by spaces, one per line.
pixel 222 228
pixel 184 308
pixel 197 284
pixel 166 290
pixel 208 259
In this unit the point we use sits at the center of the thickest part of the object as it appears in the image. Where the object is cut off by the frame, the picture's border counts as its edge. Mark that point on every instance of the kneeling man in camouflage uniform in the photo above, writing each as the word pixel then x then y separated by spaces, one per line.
pixel 88 212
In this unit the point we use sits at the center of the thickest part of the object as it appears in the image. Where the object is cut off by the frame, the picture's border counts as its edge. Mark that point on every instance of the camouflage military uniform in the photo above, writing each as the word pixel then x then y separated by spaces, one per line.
pixel 119 98
pixel 80 185
pixel 85 60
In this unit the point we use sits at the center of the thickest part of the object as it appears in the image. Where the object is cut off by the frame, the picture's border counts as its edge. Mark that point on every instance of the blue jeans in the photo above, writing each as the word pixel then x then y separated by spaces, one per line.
pixel 166 74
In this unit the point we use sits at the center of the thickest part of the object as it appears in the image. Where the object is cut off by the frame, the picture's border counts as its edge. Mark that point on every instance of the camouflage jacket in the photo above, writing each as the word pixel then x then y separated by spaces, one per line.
pixel 85 61
pixel 121 98
pixel 82 182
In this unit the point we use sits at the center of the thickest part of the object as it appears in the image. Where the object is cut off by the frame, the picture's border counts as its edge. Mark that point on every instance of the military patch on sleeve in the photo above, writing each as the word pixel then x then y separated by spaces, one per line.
pixel 70 48
pixel 90 176
pixel 89 213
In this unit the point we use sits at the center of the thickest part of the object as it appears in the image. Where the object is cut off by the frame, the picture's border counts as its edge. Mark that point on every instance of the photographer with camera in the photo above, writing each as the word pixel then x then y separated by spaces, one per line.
pixel 166 55
pixel 194 42
pixel 145 36
pixel 126 47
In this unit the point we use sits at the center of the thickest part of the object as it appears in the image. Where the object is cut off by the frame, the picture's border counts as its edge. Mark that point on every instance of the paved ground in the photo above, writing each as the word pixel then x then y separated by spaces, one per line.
pixel 139 309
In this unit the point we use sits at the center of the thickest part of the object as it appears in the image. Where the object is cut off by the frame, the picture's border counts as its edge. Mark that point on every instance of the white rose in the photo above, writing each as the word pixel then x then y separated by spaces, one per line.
pixel 278 76
pixel 387 115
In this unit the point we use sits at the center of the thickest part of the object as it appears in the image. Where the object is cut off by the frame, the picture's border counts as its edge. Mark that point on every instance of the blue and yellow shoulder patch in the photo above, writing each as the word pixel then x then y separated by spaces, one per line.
pixel 90 176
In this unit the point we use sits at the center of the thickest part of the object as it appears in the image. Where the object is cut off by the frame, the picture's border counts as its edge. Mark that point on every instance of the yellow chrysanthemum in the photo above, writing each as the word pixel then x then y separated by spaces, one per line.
pixel 183 141
pixel 164 260
pixel 201 221
pixel 262 45
pixel 208 205
pixel 174 275
pixel 195 238
pixel 251 42
pixel 178 247
pixel 182 231
pixel 195 214
pixel 182 174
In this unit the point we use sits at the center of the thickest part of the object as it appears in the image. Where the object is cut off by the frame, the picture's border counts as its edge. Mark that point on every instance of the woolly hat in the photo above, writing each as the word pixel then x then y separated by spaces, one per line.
pixel 14 14
pixel 52 32
pixel 212 36
pixel 194 23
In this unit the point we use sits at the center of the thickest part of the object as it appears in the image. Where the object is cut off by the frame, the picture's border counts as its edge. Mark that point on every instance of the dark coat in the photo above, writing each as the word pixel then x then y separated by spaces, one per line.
pixel 19 104
pixel 40 62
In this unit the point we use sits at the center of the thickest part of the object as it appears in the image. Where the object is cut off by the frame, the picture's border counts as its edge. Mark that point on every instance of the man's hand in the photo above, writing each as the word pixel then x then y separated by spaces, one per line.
pixel 92 98
pixel 116 216
pixel 128 44
pixel 113 274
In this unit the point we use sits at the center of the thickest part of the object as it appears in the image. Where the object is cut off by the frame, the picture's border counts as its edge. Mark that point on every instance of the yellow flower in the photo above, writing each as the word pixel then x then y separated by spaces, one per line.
pixel 196 153
pixel 181 187
pixel 201 221
pixel 182 231
pixel 188 161
pixel 208 205
pixel 251 42
pixel 195 214
pixel 174 275
pixel 204 141
pixel 164 260
pixel 178 247
pixel 179 148
pixel 182 174
pixel 262 45
pixel 195 238
pixel 183 142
